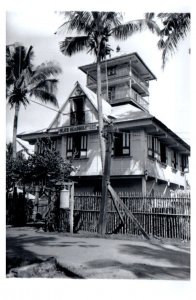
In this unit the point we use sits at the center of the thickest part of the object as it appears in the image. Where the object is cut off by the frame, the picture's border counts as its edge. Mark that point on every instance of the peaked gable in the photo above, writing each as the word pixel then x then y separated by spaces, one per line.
pixel 91 107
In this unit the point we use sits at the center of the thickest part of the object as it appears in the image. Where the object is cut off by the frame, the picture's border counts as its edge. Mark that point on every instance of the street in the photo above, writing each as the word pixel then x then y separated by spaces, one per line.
pixel 95 257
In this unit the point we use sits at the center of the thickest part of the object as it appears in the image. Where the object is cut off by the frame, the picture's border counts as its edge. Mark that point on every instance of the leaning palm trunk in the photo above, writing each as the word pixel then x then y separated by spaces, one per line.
pixel 15 126
pixel 100 115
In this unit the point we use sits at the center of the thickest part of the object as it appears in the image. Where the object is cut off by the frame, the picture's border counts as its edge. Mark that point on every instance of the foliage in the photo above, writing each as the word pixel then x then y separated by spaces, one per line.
pixel 24 81
pixel 46 168
pixel 14 171
pixel 94 29
pixel 175 27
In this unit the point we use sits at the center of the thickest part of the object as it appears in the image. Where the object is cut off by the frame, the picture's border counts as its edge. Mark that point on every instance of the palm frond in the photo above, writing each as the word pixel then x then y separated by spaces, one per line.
pixel 48 85
pixel 43 72
pixel 149 16
pixel 73 45
pixel 123 31
pixel 80 21
pixel 28 59
pixel 45 96
pixel 176 27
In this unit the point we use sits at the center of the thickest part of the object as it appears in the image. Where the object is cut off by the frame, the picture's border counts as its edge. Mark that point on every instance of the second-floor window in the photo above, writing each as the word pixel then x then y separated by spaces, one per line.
pixel 174 159
pixel 184 164
pixel 163 153
pixel 121 144
pixel 43 144
pixel 153 147
pixel 77 146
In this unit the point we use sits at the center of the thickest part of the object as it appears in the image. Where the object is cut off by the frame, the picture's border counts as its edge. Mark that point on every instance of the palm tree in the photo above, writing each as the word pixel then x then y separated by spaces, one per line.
pixel 175 28
pixel 23 81
pixel 93 30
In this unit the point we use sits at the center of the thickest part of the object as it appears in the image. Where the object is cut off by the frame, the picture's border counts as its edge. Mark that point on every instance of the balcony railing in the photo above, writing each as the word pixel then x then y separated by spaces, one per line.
pixel 77 118
pixel 138 99
pixel 143 84
pixel 80 118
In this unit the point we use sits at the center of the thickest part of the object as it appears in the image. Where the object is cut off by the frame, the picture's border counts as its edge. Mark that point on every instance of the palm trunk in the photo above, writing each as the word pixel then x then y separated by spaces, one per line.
pixel 15 129
pixel 100 115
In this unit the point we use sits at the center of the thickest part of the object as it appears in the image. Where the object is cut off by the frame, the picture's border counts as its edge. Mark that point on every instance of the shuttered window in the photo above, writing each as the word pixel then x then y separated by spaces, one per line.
pixel 184 163
pixel 121 144
pixel 77 146
pixel 174 159
pixel 153 147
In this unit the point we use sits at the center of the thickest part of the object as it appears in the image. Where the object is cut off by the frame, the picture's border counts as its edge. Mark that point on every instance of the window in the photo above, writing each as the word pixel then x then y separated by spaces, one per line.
pixel 77 111
pixel 153 147
pixel 111 93
pixel 184 163
pixel 174 159
pixel 163 153
pixel 43 144
pixel 77 146
pixel 121 145
pixel 111 71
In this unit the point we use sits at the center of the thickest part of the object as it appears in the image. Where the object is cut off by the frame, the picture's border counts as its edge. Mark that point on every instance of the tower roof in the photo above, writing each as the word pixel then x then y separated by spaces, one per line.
pixel 136 62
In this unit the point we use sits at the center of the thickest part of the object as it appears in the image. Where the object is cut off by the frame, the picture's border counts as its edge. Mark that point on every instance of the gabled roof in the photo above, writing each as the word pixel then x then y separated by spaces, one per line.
pixel 92 97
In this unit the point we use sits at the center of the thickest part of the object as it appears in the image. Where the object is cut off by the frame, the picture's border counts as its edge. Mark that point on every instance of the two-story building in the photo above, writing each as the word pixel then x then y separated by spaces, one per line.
pixel 146 155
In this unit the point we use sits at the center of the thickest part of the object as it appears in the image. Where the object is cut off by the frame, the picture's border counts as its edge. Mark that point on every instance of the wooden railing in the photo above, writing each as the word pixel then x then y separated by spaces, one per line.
pixel 160 217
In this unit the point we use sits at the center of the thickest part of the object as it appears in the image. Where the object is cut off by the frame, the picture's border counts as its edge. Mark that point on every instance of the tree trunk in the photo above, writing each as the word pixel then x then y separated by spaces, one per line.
pixel 15 129
pixel 100 115
pixel 106 181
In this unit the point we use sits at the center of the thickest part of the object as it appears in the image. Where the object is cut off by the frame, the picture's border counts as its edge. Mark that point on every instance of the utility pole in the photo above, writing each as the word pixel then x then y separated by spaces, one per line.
pixel 108 134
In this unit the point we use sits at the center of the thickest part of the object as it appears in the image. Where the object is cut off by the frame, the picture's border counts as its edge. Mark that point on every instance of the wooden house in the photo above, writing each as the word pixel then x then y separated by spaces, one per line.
pixel 146 156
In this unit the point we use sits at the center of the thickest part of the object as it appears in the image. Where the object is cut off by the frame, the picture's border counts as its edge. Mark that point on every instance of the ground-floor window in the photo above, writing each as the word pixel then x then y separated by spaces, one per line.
pixel 174 159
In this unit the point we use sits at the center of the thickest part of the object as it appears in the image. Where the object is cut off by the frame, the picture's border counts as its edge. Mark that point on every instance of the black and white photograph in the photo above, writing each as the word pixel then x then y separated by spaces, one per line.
pixel 98 144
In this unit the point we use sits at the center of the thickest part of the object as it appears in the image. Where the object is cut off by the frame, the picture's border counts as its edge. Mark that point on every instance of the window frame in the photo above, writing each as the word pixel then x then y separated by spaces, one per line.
pixel 125 147
pixel 71 146
pixel 111 71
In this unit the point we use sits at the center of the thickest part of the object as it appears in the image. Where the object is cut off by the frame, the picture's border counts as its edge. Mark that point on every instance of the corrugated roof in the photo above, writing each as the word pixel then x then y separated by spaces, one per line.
pixel 128 112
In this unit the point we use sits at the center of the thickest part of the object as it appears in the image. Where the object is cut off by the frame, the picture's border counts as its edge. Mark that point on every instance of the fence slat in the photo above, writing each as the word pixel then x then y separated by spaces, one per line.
pixel 160 216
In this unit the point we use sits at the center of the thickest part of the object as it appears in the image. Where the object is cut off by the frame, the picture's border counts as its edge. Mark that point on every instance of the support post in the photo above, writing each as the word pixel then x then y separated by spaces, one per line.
pixel 37 196
pixel 106 180
pixel 143 187
pixel 71 208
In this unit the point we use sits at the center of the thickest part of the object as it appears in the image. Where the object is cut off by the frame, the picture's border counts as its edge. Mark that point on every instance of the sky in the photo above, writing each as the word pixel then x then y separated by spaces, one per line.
pixel 169 95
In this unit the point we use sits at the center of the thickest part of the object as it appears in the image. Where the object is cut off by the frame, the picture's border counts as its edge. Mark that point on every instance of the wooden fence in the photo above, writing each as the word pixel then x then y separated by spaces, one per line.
pixel 160 217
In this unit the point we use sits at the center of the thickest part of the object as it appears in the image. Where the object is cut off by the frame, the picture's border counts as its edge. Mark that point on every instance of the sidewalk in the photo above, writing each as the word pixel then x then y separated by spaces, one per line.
pixel 101 258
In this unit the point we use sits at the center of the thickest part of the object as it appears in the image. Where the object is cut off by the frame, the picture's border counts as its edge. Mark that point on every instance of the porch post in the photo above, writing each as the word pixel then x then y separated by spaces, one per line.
pixel 143 186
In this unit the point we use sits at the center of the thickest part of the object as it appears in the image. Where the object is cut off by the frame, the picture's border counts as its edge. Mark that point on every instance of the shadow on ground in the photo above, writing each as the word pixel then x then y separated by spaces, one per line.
pixel 176 257
pixel 17 255
pixel 143 271
pixel 178 260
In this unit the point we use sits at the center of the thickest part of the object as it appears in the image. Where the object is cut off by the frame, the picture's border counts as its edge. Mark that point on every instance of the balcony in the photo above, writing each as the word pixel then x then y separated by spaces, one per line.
pixel 114 79
pixel 140 85
pixel 127 96
pixel 77 118
pixel 143 103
